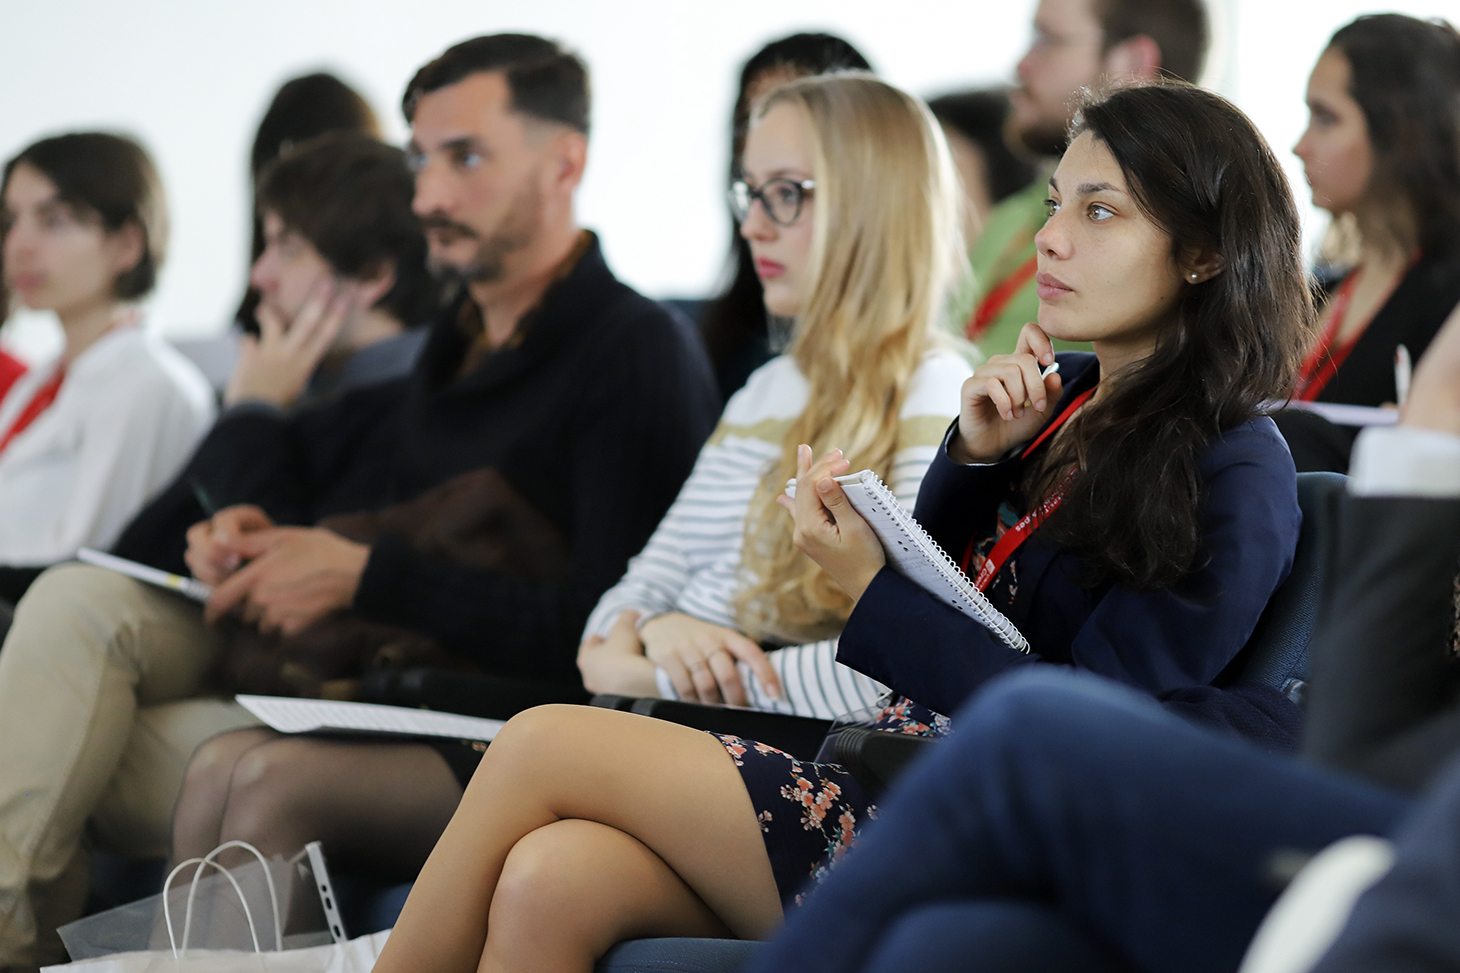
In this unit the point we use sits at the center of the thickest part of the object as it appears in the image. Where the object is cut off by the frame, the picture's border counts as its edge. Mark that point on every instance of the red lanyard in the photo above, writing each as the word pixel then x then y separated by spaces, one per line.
pixel 38 403
pixel 997 299
pixel 1006 545
pixel 10 370
pixel 1324 360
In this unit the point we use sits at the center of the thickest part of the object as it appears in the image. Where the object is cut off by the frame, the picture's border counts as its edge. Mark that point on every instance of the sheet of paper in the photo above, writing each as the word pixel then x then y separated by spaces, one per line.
pixel 916 555
pixel 1349 415
pixel 191 587
pixel 288 715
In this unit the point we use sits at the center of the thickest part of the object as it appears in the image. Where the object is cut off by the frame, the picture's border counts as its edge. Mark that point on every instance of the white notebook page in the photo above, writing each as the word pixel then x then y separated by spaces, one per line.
pixel 289 715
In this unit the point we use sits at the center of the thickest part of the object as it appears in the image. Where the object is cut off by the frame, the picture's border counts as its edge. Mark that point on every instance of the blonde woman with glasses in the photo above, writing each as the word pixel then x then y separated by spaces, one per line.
pixel 860 268
pixel 583 826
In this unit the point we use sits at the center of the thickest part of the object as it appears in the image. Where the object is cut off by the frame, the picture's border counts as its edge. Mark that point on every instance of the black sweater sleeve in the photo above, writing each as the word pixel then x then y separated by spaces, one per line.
pixel 1385 680
pixel 250 456
pixel 645 409
pixel 253 456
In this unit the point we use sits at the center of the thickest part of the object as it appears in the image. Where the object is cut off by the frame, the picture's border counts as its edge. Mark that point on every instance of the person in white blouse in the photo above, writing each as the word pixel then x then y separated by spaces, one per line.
pixel 863 371
pixel 87 438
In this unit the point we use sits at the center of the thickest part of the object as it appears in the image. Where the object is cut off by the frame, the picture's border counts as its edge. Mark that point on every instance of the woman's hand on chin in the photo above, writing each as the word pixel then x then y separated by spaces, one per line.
pixel 617 664
pixel 1005 402
pixel 828 530
pixel 700 659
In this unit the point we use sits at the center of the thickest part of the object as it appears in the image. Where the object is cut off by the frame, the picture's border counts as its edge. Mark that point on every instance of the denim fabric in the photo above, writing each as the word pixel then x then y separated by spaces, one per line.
pixel 1144 834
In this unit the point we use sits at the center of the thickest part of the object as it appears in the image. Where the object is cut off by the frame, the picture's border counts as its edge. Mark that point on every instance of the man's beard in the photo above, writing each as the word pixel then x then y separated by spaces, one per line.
pixel 518 228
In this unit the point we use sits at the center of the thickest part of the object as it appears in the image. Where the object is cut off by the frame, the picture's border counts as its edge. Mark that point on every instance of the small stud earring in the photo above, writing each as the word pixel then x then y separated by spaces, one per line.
pixel 1195 276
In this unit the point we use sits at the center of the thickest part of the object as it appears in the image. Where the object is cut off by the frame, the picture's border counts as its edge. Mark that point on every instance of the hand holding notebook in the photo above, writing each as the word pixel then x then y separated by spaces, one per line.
pixel 912 552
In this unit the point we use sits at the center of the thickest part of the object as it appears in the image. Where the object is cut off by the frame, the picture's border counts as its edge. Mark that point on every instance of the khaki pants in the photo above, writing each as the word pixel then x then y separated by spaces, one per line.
pixel 98 718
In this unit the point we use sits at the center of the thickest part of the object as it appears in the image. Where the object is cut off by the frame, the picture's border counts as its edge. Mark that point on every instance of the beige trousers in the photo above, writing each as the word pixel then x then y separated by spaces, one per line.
pixel 99 715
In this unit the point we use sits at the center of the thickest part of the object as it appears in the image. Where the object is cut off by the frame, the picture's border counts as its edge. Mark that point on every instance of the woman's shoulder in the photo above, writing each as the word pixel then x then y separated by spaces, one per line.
pixel 135 364
pixel 775 390
pixel 936 385
pixel 1251 452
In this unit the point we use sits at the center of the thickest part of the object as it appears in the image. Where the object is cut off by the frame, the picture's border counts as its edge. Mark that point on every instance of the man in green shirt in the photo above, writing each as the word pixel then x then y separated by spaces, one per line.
pixel 1077 44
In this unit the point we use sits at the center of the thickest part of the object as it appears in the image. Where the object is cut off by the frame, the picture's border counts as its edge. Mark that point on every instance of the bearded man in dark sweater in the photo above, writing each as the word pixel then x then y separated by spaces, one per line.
pixel 587 401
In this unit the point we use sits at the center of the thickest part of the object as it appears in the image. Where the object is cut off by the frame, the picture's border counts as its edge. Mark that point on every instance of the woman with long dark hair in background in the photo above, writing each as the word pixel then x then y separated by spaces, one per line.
pixel 736 328
pixel 302 108
pixel 1382 154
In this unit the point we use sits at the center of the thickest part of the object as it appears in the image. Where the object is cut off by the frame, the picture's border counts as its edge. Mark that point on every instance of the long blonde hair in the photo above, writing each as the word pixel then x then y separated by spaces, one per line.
pixel 886 253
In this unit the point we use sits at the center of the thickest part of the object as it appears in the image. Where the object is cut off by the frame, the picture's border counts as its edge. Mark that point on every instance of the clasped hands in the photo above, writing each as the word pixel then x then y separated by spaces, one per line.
pixel 699 657
pixel 282 579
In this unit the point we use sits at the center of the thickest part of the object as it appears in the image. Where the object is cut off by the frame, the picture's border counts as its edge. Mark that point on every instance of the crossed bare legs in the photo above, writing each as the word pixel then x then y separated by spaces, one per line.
pixel 581 828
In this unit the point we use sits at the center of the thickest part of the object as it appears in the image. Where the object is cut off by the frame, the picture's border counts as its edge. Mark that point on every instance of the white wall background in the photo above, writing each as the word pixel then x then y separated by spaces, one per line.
pixel 191 80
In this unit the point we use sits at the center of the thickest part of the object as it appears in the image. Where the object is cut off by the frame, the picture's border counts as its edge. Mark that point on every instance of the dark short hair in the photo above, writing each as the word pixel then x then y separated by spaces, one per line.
pixel 304 107
pixel 805 54
pixel 979 116
pixel 545 81
pixel 1405 75
pixel 1179 28
pixel 350 196
pixel 109 178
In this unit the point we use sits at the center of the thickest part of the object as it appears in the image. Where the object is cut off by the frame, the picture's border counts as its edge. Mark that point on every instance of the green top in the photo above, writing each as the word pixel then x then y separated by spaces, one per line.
pixel 1006 245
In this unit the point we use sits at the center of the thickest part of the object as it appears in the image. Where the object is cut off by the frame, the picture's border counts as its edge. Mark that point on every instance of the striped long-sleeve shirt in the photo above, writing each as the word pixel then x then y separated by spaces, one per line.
pixel 692 562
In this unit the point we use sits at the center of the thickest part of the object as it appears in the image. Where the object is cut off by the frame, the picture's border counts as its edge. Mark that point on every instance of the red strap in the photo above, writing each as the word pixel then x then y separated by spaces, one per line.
pixel 1006 545
pixel 1324 360
pixel 1060 420
pixel 11 368
pixel 996 300
pixel 39 403
pixel 1019 533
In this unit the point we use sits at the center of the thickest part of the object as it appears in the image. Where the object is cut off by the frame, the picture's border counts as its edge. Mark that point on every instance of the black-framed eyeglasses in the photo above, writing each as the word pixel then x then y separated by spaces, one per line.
pixel 781 199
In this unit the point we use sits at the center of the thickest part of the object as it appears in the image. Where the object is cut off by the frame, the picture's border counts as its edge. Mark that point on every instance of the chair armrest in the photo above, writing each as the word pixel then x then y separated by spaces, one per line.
pixel 875 757
pixel 467 693
pixel 614 701
pixel 800 736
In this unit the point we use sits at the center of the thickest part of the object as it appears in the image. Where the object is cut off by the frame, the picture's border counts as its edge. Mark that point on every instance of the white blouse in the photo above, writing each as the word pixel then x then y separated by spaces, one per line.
pixel 691 564
pixel 127 417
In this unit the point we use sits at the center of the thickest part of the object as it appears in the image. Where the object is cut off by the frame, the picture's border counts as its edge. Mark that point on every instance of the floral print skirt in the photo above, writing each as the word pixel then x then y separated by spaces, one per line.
pixel 811 813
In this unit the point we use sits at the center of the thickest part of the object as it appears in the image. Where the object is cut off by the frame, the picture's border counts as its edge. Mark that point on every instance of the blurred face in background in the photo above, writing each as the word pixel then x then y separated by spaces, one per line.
pixel 968 158
pixel 55 258
pixel 288 270
pixel 481 172
pixel 778 151
pixel 1065 56
pixel 1338 158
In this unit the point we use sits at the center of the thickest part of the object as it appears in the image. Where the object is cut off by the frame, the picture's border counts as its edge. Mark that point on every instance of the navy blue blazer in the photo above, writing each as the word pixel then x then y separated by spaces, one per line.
pixel 1172 643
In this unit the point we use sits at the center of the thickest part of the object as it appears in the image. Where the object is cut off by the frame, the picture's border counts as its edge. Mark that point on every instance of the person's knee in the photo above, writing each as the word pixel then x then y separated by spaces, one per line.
pixel 210 771
pixel 271 792
pixel 538 877
pixel 1040 706
pixel 528 739
pixel 67 601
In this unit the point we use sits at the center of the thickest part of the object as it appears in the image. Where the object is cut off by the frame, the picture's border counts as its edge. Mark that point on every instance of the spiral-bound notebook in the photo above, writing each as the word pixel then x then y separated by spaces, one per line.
pixel 919 557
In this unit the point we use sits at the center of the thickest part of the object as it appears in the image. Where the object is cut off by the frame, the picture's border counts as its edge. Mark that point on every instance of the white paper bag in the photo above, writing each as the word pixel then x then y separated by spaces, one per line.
pixel 356 956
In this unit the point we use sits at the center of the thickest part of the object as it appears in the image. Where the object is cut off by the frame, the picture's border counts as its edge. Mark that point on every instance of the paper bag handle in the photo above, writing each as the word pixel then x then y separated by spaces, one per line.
pixel 193 891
